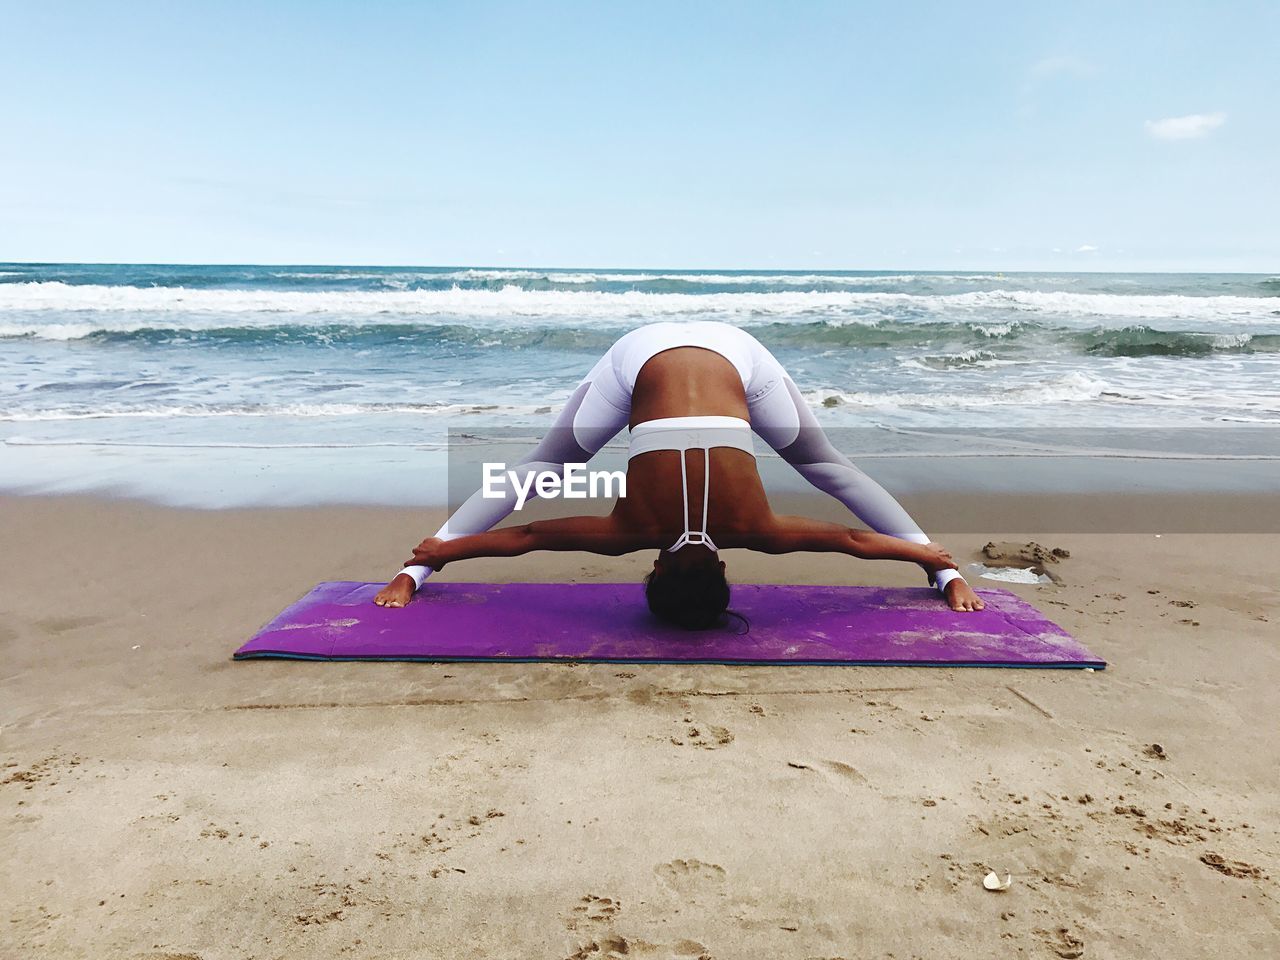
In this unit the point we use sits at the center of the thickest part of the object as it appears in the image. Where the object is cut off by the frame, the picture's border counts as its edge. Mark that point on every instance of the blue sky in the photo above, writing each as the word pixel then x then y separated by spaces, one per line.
pixel 804 135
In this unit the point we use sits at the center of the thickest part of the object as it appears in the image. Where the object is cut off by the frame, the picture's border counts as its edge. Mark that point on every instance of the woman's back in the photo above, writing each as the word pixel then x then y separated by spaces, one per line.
pixel 690 382
pixel 687 382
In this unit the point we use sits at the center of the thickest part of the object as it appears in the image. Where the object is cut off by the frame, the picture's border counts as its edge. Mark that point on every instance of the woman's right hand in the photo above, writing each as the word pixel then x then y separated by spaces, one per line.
pixel 427 554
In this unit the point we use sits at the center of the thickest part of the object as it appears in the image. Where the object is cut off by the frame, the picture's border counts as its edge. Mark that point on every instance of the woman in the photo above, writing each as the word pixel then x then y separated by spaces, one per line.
pixel 691 394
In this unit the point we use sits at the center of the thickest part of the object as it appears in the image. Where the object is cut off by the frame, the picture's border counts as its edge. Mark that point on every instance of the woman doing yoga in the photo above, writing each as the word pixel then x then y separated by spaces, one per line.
pixel 691 393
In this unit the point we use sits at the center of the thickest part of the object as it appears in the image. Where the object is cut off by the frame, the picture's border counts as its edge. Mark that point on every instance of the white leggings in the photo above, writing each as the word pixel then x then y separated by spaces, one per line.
pixel 601 406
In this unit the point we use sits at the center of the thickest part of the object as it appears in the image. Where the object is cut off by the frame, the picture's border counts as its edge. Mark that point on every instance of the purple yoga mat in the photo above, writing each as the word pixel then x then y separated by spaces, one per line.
pixel 609 621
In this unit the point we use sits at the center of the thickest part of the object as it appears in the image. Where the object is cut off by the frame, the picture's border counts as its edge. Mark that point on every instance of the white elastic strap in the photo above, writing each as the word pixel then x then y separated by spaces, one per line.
pixel 695 537
pixel 684 489
pixel 706 489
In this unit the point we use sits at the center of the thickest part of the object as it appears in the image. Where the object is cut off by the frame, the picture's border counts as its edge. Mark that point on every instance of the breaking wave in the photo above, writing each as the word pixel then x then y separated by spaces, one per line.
pixel 514 304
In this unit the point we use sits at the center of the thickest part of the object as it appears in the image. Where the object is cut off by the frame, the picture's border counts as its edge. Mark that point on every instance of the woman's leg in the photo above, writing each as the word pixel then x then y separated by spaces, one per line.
pixel 592 417
pixel 784 421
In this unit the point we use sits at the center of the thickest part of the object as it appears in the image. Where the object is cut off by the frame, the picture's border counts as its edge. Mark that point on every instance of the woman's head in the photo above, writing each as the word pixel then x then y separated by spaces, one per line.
pixel 688 588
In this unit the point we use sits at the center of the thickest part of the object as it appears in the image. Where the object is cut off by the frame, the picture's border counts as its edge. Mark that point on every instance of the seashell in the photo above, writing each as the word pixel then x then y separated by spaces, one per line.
pixel 992 882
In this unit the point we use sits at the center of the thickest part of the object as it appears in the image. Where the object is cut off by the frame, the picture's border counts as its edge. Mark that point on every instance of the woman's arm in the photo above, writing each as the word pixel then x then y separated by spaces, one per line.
pixel 801 534
pixel 788 425
pixel 593 534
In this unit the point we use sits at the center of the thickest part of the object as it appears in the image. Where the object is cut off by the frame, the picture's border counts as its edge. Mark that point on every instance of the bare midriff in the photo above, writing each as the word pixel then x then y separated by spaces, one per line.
pixel 687 382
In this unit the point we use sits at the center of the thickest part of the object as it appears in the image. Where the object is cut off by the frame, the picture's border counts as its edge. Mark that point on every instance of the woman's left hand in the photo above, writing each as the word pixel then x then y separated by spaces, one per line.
pixel 938 558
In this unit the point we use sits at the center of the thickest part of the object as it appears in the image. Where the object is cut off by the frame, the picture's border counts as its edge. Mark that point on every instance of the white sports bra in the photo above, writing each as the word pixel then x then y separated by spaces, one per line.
pixel 692 433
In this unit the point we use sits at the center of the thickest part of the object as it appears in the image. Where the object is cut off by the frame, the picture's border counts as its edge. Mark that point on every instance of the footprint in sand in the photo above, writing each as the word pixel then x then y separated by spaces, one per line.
pixel 48 772
pixel 686 877
pixel 1003 826
pixel 617 948
pixel 59 625
pixel 593 909
pixel 705 735
pixel 1062 942
pixel 1232 868
pixel 606 948
pixel 831 769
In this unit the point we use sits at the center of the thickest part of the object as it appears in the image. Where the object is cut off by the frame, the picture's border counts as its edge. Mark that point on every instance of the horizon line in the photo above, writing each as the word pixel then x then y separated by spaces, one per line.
pixel 636 269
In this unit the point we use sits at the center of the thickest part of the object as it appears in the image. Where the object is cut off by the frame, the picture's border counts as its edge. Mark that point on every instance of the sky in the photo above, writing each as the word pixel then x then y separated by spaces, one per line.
pixel 801 135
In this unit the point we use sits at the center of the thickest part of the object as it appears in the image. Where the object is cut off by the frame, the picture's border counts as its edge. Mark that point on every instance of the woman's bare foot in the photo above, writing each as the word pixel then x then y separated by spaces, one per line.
pixel 960 596
pixel 396 593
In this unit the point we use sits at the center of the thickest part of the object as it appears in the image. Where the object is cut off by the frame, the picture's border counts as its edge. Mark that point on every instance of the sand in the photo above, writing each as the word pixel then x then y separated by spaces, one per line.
pixel 158 800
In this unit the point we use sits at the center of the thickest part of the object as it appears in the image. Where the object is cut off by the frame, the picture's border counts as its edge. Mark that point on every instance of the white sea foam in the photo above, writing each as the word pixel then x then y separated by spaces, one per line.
pixel 964 360
pixel 196 309
pixel 583 277
pixel 729 279
pixel 203 411
pixel 1073 388
pixel 995 330
pixel 1227 341
pixel 57 331
pixel 216 445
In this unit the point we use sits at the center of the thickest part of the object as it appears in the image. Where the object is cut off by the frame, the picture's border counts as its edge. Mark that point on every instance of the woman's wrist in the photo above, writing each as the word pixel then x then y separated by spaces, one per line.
pixel 430 554
pixel 921 553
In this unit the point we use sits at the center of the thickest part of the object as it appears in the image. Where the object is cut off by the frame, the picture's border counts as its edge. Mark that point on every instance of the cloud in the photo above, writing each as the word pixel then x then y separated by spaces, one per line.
pixel 1086 248
pixel 1191 127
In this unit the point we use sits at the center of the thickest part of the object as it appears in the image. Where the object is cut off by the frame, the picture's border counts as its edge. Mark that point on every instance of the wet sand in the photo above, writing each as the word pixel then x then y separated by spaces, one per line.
pixel 158 800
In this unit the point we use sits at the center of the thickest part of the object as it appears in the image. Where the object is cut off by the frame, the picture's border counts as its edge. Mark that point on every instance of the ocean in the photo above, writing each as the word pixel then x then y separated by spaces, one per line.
pixel 218 385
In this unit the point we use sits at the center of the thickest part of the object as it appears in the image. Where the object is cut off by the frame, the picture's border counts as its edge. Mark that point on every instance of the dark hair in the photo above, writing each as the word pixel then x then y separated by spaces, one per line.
pixel 695 599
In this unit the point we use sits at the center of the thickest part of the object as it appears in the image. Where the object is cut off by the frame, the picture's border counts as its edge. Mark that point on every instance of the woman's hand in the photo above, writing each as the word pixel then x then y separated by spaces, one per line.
pixel 427 554
pixel 936 558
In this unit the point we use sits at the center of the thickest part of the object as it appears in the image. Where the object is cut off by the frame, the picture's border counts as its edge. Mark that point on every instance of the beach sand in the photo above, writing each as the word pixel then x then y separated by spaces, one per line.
pixel 158 800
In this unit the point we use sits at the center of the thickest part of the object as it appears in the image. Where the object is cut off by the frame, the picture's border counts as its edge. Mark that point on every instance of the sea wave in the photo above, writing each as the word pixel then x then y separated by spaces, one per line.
pixel 515 304
pixel 964 360
pixel 585 277
pixel 211 410
pixel 570 277
pixel 1143 341
pixel 1073 388
pixel 967 342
